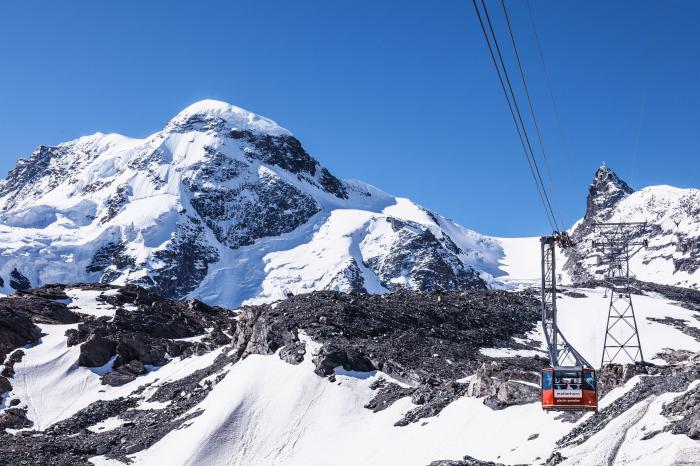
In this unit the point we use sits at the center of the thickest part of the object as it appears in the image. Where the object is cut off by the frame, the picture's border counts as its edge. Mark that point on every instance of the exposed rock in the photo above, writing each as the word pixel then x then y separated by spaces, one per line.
pixel 9 369
pixel 14 418
pixel 293 353
pixel 555 458
pixel 5 385
pixel 115 203
pixel 349 279
pixel 96 351
pixel 330 356
pixel 112 259
pixel 142 335
pixel 415 258
pixel 466 461
pixel 511 393
pixel 185 261
pixel 684 413
pixel 387 394
pixel 434 401
pixel 18 281
pixel 117 378
pixel 679 324
pixel 498 383
pixel 16 329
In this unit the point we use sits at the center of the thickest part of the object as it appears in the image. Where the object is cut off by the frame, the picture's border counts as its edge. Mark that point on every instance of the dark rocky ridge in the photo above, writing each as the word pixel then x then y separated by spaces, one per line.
pixel 428 340
pixel 686 297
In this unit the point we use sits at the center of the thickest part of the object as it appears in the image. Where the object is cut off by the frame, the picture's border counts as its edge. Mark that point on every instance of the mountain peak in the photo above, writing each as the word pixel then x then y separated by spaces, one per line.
pixel 209 110
pixel 605 191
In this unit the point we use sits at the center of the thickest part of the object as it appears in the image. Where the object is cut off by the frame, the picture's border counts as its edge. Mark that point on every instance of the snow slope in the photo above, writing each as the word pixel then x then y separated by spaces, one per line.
pixel 267 412
pixel 264 411
pixel 622 441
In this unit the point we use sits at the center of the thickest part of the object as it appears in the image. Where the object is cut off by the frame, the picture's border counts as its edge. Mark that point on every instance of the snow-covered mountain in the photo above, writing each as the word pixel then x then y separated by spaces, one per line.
pixel 222 205
pixel 228 207
pixel 673 230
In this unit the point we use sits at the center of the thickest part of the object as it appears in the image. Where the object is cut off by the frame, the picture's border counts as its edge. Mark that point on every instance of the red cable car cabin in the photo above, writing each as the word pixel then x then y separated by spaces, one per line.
pixel 569 389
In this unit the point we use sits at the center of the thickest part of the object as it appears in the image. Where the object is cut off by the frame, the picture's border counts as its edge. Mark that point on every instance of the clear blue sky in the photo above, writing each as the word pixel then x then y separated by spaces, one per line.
pixel 399 94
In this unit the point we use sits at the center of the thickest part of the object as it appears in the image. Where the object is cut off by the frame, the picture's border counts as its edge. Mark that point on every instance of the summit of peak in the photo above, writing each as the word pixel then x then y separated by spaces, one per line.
pixel 604 176
pixel 234 117
pixel 605 191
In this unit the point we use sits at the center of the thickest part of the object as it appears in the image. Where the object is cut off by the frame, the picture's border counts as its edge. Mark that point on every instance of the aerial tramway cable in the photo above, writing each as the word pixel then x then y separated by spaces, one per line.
pixel 532 113
pixel 515 110
pixel 564 387
pixel 550 89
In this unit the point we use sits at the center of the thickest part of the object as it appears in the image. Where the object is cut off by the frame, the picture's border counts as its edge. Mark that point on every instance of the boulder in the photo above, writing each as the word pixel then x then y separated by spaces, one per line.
pixel 16 330
pixel 293 353
pixel 331 356
pixel 139 347
pixel 511 393
pixel 5 385
pixel 117 378
pixel 14 418
pixel 96 351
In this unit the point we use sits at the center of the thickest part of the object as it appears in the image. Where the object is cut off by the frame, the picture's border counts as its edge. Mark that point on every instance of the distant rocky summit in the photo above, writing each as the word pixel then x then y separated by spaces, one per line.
pixel 673 230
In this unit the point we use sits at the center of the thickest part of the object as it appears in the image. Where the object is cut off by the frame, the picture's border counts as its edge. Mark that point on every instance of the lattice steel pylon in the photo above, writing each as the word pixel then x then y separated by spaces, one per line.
pixel 618 242
pixel 561 353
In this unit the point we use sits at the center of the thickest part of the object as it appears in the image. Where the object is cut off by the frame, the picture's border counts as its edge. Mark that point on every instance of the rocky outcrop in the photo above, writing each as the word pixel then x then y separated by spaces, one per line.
pixel 426 340
pixel 146 329
pixel 14 418
pixel 414 257
pixel 504 384
pixel 16 329
pixel 466 461
pixel 96 351
pixel 604 193
pixel 18 281
pixel 684 413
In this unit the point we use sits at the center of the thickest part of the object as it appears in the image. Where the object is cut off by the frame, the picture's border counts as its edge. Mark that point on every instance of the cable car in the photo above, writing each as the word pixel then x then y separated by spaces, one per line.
pixel 569 389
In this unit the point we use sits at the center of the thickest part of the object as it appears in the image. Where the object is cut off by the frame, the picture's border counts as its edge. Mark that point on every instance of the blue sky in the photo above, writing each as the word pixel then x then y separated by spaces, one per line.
pixel 399 94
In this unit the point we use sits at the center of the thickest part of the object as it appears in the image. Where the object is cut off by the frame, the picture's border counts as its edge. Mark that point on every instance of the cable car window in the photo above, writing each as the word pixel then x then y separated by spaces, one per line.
pixel 589 380
pixel 567 380
pixel 546 380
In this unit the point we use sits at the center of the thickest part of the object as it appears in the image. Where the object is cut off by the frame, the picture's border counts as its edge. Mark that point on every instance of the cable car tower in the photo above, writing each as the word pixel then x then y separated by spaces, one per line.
pixel 561 352
pixel 618 244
